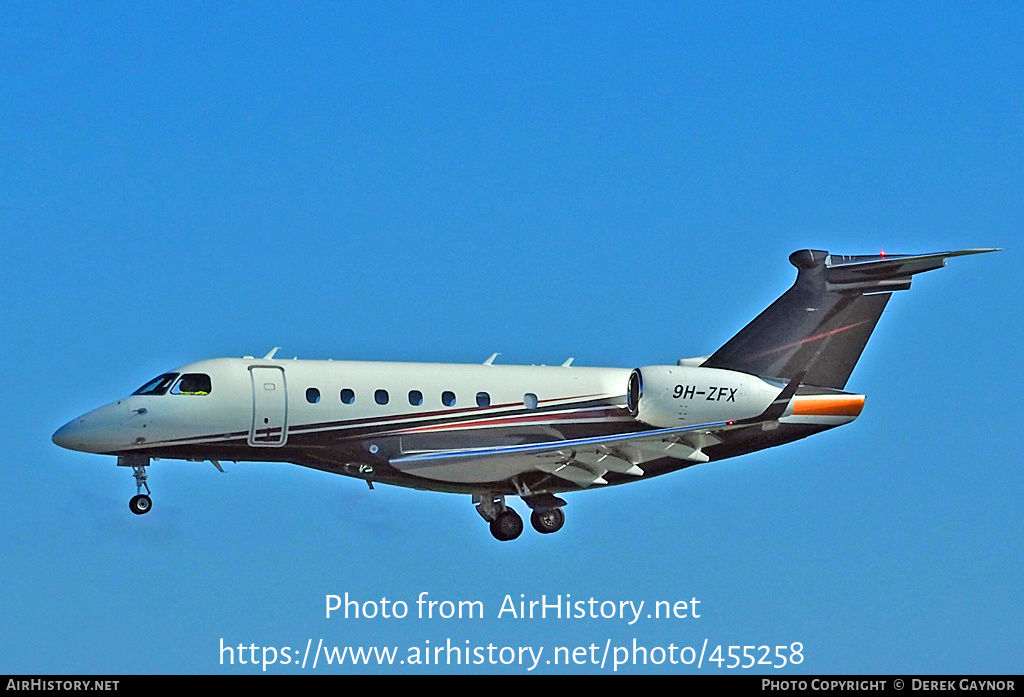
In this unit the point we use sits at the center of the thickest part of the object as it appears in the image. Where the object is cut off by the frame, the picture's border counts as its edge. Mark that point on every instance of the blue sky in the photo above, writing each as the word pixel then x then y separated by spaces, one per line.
pixel 440 181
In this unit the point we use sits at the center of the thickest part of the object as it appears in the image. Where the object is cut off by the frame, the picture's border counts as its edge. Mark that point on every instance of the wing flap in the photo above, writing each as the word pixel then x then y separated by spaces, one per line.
pixel 583 461
pixel 598 459
pixel 576 475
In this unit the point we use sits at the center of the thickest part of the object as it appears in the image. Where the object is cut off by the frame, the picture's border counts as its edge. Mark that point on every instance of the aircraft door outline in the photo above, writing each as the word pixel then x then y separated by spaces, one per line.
pixel 269 407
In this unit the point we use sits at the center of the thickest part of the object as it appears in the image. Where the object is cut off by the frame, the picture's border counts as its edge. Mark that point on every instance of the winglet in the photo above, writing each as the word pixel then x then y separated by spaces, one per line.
pixel 490 361
pixel 272 352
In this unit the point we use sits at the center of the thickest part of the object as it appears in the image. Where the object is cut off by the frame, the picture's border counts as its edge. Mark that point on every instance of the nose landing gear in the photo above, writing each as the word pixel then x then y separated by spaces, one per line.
pixel 140 503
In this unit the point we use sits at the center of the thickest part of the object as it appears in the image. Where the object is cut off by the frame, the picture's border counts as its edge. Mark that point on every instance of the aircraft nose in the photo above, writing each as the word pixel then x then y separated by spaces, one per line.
pixel 65 436
pixel 98 431
pixel 80 435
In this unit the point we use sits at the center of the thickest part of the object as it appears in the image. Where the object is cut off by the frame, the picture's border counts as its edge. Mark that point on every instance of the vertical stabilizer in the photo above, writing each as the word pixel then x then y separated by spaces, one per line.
pixel 821 325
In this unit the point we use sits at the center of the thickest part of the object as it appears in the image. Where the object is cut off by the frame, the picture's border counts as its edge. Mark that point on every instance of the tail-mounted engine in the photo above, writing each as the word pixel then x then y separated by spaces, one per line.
pixel 667 396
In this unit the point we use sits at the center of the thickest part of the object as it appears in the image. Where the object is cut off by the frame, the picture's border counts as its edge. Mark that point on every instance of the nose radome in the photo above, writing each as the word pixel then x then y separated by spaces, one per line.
pixel 64 436
pixel 70 435
pixel 99 431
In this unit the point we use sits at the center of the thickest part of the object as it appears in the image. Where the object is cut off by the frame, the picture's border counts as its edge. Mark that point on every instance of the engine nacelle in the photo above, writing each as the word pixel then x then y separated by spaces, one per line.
pixel 668 396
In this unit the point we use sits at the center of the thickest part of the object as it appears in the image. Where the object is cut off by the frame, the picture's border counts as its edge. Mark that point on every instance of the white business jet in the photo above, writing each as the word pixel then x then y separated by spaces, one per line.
pixel 494 431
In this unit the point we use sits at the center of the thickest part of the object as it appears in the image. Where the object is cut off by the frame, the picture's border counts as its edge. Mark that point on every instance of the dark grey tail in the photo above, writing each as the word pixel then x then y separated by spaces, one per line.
pixel 821 324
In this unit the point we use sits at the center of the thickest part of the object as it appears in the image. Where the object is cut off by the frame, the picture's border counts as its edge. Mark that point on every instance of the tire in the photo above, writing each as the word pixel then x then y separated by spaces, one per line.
pixel 548 522
pixel 141 504
pixel 507 526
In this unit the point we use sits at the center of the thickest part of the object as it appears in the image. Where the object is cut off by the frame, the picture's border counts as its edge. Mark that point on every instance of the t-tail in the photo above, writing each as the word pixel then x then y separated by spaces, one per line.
pixel 818 328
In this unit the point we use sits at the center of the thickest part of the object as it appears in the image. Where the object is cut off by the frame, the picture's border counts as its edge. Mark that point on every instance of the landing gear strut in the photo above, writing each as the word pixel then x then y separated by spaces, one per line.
pixel 140 503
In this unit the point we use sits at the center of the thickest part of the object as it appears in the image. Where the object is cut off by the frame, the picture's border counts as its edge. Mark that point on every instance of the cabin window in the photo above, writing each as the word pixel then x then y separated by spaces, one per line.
pixel 530 400
pixel 483 399
pixel 381 397
pixel 192 383
pixel 312 395
pixel 448 399
pixel 348 396
pixel 415 398
pixel 157 385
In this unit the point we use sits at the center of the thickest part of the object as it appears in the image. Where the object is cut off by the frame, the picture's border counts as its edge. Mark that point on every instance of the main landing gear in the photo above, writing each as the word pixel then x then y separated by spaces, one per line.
pixel 507 525
pixel 140 504
pixel 548 521
pixel 547 516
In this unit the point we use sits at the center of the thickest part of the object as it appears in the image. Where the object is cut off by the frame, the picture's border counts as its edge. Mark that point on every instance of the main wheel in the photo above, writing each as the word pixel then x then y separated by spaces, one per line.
pixel 507 526
pixel 549 521
pixel 140 504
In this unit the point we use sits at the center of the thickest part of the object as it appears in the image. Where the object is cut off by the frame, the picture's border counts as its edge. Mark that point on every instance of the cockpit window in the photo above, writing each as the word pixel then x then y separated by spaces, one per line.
pixel 157 385
pixel 192 383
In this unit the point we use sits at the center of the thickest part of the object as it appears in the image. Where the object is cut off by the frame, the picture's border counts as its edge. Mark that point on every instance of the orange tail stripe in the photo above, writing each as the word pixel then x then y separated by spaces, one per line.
pixel 830 405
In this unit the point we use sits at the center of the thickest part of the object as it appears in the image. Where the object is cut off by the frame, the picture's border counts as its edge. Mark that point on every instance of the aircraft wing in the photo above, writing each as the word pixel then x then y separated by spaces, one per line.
pixel 583 461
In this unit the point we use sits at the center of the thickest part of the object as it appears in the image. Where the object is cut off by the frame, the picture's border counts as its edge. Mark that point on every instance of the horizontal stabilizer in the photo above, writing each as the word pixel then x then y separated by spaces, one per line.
pixel 881 273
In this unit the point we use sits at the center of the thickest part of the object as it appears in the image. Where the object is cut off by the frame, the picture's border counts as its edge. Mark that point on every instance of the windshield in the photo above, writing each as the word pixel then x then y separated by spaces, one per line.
pixel 157 385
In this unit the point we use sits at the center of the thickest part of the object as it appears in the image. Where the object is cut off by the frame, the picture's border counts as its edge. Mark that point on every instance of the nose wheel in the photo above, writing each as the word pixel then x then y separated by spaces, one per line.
pixel 140 504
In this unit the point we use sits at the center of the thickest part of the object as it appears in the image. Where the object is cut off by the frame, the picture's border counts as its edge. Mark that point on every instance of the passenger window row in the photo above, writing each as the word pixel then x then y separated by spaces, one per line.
pixel 483 399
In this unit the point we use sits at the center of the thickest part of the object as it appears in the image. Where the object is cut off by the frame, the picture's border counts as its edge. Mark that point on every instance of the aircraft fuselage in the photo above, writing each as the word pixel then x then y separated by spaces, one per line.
pixel 352 417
